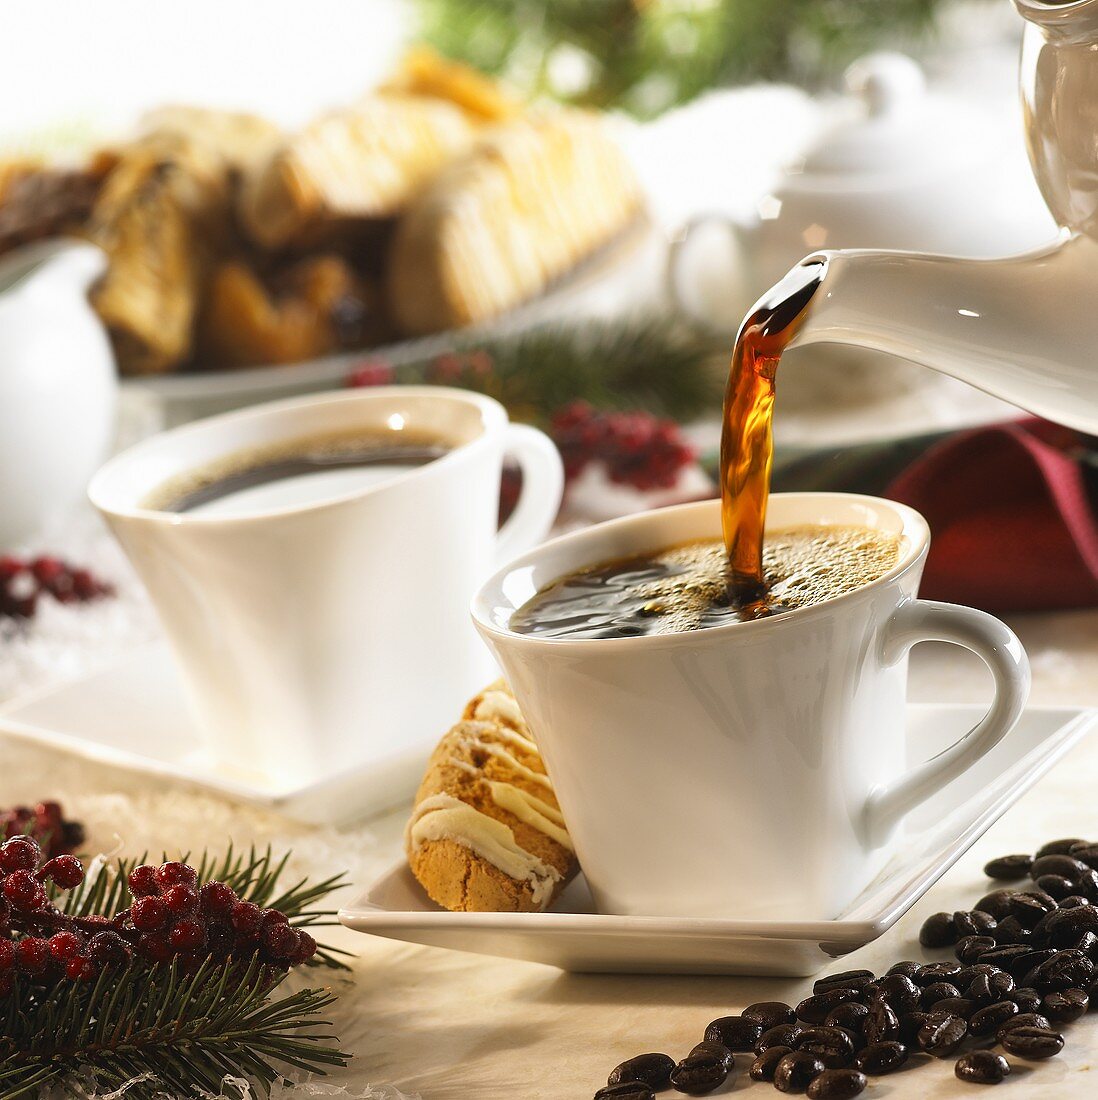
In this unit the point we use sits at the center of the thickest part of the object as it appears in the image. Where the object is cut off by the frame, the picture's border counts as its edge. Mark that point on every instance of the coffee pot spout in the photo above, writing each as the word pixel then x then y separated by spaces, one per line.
pixel 1022 328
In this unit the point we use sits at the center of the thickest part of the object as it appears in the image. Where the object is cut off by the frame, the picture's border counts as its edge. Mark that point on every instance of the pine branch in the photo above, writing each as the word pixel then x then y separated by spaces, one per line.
pixel 188 1030
pixel 650 364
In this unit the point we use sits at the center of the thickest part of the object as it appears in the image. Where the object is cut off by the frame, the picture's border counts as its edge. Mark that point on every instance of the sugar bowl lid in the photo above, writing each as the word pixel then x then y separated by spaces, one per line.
pixel 891 127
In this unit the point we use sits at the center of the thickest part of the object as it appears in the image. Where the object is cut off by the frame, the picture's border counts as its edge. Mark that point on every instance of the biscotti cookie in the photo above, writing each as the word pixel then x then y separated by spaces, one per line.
pixel 486 833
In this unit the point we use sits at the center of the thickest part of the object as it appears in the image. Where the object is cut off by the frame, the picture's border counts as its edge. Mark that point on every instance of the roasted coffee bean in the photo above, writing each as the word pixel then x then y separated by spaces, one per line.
pixel 1085 853
pixel 1065 927
pixel 770 1013
pixel 1024 1019
pixel 626 1090
pixel 938 931
pixel 1065 970
pixel 938 992
pixel 878 1059
pixel 1056 886
pixel 1087 884
pixel 982 1067
pixel 704 1069
pixel 833 1046
pixel 1088 944
pixel 900 992
pixel 1055 864
pixel 1003 956
pixel 850 1015
pixel 814 1010
pixel 1058 847
pixel 762 1069
pixel 997 903
pixel 837 1084
pixel 1009 867
pixel 795 1071
pixel 972 922
pixel 988 1020
pixel 967 973
pixel 942 1034
pixel 910 1026
pixel 939 972
pixel 1026 998
pixel 988 988
pixel 969 949
pixel 1022 966
pixel 653 1069
pixel 1029 906
pixel 784 1035
pixel 1010 930
pixel 1065 1007
pixel 738 1033
pixel 908 968
pixel 847 979
pixel 882 1023
pixel 1072 901
pixel 957 1006
pixel 1032 1042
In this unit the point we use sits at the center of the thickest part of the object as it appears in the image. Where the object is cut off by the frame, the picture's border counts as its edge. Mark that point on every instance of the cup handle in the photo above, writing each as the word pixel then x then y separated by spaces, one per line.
pixel 999 648
pixel 542 489
pixel 674 279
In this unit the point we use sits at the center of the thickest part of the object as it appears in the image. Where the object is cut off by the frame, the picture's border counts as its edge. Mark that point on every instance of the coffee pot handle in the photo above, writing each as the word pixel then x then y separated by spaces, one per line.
pixel 542 489
pixel 999 648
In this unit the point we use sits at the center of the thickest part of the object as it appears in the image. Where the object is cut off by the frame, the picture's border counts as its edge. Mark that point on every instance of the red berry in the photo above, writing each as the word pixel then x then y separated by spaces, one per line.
pixel 82 970
pixel 23 892
pixel 188 935
pixel 21 853
pixel 106 947
pixel 220 938
pixel 372 372
pixel 156 948
pixel 280 940
pixel 7 955
pixel 46 569
pixel 142 881
pixel 64 945
pixel 217 898
pixel 176 874
pixel 32 954
pixel 66 871
pixel 306 948
pixel 271 917
pixel 181 899
pixel 246 917
pixel 10 567
pixel 148 914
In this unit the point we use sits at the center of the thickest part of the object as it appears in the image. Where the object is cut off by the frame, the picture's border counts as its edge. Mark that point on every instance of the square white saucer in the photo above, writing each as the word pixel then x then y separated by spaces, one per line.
pixel 134 715
pixel 574 937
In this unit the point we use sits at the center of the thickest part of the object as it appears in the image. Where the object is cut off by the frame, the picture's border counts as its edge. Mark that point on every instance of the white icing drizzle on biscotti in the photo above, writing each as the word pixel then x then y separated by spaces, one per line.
pixel 498 706
pixel 531 810
pixel 444 817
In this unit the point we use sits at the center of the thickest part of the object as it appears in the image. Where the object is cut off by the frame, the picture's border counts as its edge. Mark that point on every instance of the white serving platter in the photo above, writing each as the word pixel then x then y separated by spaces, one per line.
pixel 572 936
pixel 133 715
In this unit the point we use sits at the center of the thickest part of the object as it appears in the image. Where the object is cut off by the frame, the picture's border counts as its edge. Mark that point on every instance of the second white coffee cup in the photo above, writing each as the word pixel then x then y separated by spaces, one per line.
pixel 318 636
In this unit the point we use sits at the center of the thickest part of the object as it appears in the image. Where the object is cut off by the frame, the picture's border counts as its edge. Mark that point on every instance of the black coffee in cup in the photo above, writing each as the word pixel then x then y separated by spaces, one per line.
pixel 294 472
pixel 687 587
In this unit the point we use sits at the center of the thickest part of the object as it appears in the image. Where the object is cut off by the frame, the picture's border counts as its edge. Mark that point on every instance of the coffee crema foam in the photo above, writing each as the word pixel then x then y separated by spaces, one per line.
pixel 687 587
pixel 294 471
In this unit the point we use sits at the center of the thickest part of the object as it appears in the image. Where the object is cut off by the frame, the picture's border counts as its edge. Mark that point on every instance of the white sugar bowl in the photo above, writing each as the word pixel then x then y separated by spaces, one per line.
pixel 58 385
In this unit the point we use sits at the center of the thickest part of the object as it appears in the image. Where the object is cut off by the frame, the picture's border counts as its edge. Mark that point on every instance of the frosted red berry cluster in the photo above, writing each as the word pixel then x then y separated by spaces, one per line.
pixel 637 448
pixel 171 918
pixel 24 581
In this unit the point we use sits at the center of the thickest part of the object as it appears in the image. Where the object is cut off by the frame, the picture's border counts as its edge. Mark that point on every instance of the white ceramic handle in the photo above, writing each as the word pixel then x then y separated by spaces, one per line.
pixel 999 648
pixel 542 489
pixel 675 283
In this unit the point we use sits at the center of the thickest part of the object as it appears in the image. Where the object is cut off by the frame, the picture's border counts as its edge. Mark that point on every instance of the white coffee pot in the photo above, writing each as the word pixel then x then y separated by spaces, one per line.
pixel 899 167
pixel 58 385
pixel 1023 328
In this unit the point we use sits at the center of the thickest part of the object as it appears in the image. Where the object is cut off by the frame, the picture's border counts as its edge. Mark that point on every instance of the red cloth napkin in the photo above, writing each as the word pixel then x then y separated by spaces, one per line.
pixel 1012 526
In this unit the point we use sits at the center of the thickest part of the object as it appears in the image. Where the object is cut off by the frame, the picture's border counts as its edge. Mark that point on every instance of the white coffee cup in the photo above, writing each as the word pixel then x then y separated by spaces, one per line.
pixel 320 635
pixel 755 770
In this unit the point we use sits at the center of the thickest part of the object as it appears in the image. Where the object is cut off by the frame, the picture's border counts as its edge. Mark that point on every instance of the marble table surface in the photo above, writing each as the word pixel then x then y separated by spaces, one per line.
pixel 446 1026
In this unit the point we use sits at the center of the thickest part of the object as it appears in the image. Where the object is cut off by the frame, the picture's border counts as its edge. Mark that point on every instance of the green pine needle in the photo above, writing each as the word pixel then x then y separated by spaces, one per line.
pixel 159 1030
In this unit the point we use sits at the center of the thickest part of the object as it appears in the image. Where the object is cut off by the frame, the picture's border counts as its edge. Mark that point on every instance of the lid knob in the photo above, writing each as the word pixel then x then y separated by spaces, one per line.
pixel 886 81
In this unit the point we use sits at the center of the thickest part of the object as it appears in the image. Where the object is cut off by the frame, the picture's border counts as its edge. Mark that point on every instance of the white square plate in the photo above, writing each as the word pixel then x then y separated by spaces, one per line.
pixel 574 937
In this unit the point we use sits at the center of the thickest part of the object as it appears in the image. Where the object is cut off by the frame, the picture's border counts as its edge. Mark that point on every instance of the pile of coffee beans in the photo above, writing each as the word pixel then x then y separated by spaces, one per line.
pixel 1025 964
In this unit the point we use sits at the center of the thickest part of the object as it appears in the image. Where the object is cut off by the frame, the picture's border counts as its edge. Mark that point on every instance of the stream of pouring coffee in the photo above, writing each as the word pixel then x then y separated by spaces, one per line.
pixel 747 445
